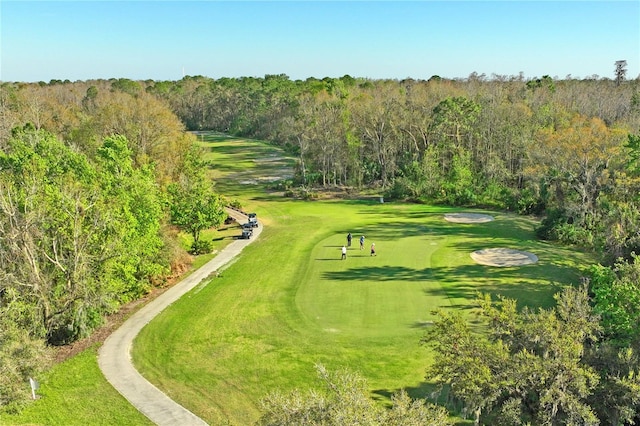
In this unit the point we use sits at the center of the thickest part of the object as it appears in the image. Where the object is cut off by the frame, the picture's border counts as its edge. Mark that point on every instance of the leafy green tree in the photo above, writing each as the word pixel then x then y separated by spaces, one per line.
pixel 529 370
pixel 49 221
pixel 632 147
pixel 78 239
pixel 619 208
pixel 421 179
pixel 140 217
pixel 616 297
pixel 545 81
pixel 345 402
pixel 616 400
pixel 466 364
pixel 193 203
pixel 125 85
pixel 460 182
pixel 453 123
pixel 89 100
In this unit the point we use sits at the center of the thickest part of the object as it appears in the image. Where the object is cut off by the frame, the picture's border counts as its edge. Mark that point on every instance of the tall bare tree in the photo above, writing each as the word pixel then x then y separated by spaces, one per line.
pixel 621 71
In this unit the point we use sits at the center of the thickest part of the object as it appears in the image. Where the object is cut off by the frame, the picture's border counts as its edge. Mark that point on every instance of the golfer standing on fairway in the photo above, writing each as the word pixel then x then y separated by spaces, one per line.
pixel 361 242
pixel 344 252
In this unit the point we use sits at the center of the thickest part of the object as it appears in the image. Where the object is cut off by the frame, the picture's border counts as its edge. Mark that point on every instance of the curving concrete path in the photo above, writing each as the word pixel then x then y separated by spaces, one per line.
pixel 114 357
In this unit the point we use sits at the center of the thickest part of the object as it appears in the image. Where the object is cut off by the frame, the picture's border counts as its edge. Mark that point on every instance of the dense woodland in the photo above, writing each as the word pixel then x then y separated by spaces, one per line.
pixel 94 173
pixel 568 149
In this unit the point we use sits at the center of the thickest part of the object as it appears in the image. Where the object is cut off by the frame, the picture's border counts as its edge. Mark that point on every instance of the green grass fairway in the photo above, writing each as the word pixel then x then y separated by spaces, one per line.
pixel 290 302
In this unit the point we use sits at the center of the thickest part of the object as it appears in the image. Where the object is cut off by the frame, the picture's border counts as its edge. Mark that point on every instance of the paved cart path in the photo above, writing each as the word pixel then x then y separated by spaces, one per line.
pixel 114 357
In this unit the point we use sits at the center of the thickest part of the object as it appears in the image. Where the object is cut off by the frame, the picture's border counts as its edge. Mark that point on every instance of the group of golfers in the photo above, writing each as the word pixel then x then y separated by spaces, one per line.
pixel 349 238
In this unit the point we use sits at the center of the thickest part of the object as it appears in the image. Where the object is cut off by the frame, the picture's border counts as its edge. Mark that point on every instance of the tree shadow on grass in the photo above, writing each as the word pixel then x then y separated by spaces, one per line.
pixel 508 235
pixel 206 136
pixel 431 392
pixel 531 294
pixel 511 230
pixel 445 274
pixel 529 284
pixel 245 149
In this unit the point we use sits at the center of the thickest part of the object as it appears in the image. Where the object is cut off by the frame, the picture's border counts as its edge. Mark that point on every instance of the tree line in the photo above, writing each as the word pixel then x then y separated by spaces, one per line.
pixel 567 149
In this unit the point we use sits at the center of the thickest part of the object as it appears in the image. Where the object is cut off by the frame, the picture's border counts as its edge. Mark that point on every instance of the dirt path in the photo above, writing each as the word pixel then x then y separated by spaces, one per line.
pixel 114 357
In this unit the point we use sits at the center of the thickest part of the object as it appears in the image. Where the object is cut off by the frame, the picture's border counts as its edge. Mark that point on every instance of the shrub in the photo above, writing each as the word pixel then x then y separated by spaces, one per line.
pixel 574 234
pixel 553 220
pixel 399 190
pixel 201 247
pixel 235 204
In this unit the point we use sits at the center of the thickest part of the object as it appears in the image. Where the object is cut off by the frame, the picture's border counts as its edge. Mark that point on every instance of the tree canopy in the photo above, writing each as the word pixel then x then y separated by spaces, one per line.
pixel 539 367
pixel 344 401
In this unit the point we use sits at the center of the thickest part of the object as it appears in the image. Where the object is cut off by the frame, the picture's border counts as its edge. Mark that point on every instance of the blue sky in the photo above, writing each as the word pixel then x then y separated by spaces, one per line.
pixel 164 40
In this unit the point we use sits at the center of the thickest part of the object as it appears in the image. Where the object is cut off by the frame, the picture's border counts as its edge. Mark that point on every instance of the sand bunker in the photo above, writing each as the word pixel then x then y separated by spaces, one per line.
pixel 467 217
pixel 503 257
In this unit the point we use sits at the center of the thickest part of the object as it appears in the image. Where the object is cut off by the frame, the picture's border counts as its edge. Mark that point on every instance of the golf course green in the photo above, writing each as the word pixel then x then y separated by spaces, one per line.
pixel 289 301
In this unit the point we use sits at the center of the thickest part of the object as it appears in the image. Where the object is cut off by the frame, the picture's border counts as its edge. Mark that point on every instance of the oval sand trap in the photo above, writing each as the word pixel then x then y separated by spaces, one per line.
pixel 467 217
pixel 503 257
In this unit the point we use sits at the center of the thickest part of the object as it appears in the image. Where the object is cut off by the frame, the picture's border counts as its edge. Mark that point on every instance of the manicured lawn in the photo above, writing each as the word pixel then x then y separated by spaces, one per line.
pixel 290 302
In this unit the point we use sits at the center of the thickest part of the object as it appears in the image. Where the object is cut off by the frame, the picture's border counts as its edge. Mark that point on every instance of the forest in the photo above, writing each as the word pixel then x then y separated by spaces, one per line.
pixel 566 149
pixel 94 177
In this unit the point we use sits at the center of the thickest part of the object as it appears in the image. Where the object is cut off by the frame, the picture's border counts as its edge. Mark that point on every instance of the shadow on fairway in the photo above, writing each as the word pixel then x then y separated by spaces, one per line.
pixel 246 149
pixel 464 282
pixel 443 275
pixel 511 229
pixel 430 391
pixel 525 294
pixel 422 325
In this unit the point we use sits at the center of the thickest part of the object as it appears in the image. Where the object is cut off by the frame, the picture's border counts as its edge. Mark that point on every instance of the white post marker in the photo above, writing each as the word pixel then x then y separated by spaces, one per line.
pixel 34 385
